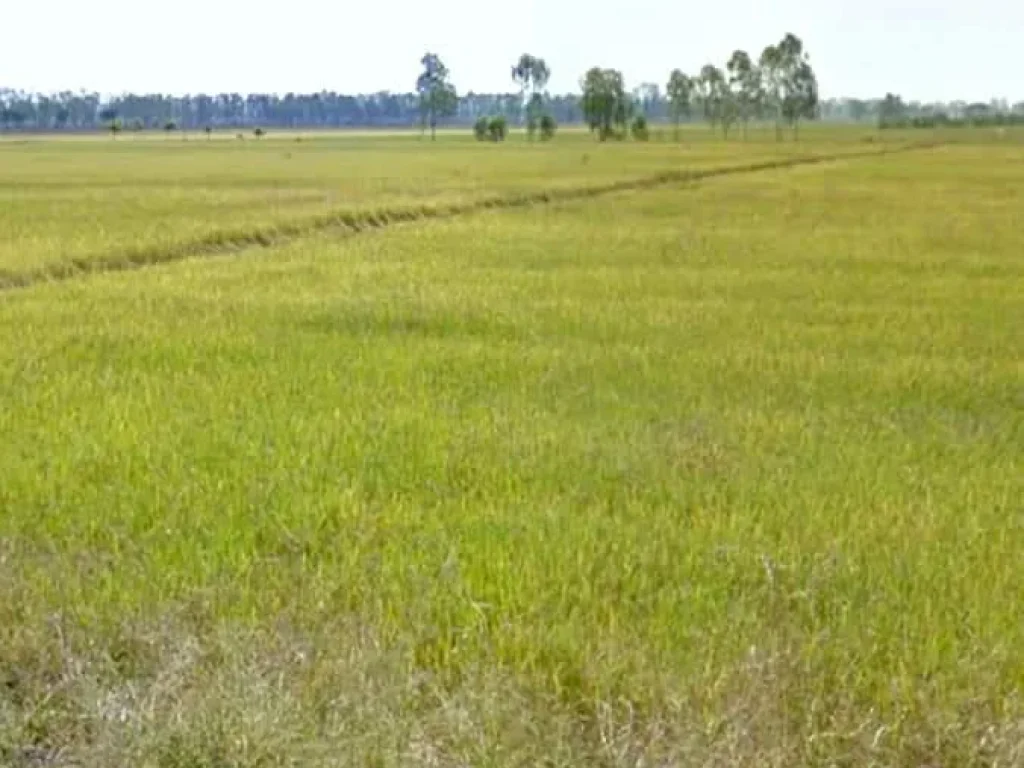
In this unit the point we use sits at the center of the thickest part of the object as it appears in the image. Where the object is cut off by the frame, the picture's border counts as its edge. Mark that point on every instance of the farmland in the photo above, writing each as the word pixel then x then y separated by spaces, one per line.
pixel 355 471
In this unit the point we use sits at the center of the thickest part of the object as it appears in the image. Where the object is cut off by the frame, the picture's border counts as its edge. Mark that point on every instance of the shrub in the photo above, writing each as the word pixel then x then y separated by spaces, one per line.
pixel 531 126
pixel 639 128
pixel 547 127
pixel 497 128
pixel 481 128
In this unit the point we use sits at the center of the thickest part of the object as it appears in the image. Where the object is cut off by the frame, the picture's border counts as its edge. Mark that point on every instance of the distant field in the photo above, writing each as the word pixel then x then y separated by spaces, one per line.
pixel 724 473
pixel 76 201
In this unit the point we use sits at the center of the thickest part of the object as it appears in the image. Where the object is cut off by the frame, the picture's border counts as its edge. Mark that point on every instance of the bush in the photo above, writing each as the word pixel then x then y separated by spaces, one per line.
pixel 547 127
pixel 490 128
pixel 531 126
pixel 639 128
pixel 481 128
pixel 497 128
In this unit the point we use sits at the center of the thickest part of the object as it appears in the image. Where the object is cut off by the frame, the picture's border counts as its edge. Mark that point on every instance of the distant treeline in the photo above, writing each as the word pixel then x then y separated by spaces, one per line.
pixel 945 121
pixel 893 112
pixel 88 111
pixel 68 111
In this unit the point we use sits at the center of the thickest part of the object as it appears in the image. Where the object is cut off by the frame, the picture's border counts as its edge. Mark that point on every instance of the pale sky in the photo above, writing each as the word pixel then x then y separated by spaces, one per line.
pixel 923 50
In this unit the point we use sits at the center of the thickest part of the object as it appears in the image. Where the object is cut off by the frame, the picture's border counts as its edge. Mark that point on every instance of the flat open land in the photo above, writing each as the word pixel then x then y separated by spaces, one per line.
pixel 371 451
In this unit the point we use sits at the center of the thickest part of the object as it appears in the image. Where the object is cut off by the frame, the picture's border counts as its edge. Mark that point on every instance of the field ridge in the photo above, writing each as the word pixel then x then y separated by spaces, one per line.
pixel 353 222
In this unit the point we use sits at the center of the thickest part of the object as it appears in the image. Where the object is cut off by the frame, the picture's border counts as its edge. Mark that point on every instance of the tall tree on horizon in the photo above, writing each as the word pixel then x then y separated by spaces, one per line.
pixel 745 85
pixel 437 95
pixel 605 104
pixel 646 98
pixel 711 90
pixel 790 85
pixel 531 74
pixel 679 91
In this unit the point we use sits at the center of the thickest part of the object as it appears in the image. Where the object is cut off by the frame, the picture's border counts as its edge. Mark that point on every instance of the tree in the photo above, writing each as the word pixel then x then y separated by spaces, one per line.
pixel 437 95
pixel 548 126
pixel 891 110
pixel 170 126
pixel 209 132
pixel 745 85
pixel 108 115
pixel 647 96
pixel 791 87
pixel 772 77
pixel 712 90
pixel 857 109
pixel 497 127
pixel 490 128
pixel 480 128
pixel 605 104
pixel 639 128
pixel 14 117
pixel 801 100
pixel 679 90
pixel 136 125
pixel 531 74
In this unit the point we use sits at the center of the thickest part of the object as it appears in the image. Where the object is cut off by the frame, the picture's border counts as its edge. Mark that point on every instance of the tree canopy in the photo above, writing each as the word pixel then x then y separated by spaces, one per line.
pixel 605 104
pixel 437 94
pixel 679 92
pixel 531 74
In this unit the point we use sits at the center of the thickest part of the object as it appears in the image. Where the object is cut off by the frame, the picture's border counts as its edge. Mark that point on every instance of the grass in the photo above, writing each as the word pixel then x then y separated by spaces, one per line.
pixel 724 474
pixel 78 202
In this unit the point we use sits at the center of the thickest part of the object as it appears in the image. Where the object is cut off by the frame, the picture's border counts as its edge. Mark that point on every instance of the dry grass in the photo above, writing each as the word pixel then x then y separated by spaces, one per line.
pixel 173 695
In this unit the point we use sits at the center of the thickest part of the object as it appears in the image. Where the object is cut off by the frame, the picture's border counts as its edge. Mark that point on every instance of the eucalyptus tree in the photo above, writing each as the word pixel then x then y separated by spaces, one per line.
pixel 531 74
pixel 680 92
pixel 712 92
pixel 437 96
pixel 605 104
pixel 745 86
pixel 790 85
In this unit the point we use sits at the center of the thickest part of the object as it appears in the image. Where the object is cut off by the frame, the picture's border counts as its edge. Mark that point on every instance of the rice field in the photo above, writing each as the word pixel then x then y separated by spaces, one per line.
pixel 717 470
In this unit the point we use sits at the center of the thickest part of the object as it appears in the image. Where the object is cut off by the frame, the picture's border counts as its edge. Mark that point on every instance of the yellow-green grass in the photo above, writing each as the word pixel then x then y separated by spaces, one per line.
pixel 72 203
pixel 721 475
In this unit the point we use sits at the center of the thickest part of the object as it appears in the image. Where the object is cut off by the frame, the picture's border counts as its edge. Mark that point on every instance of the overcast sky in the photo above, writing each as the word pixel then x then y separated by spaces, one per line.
pixel 921 49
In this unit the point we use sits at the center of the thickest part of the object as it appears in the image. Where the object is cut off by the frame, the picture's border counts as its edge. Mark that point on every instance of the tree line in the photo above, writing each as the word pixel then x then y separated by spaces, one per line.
pixel 778 86
pixel 893 112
